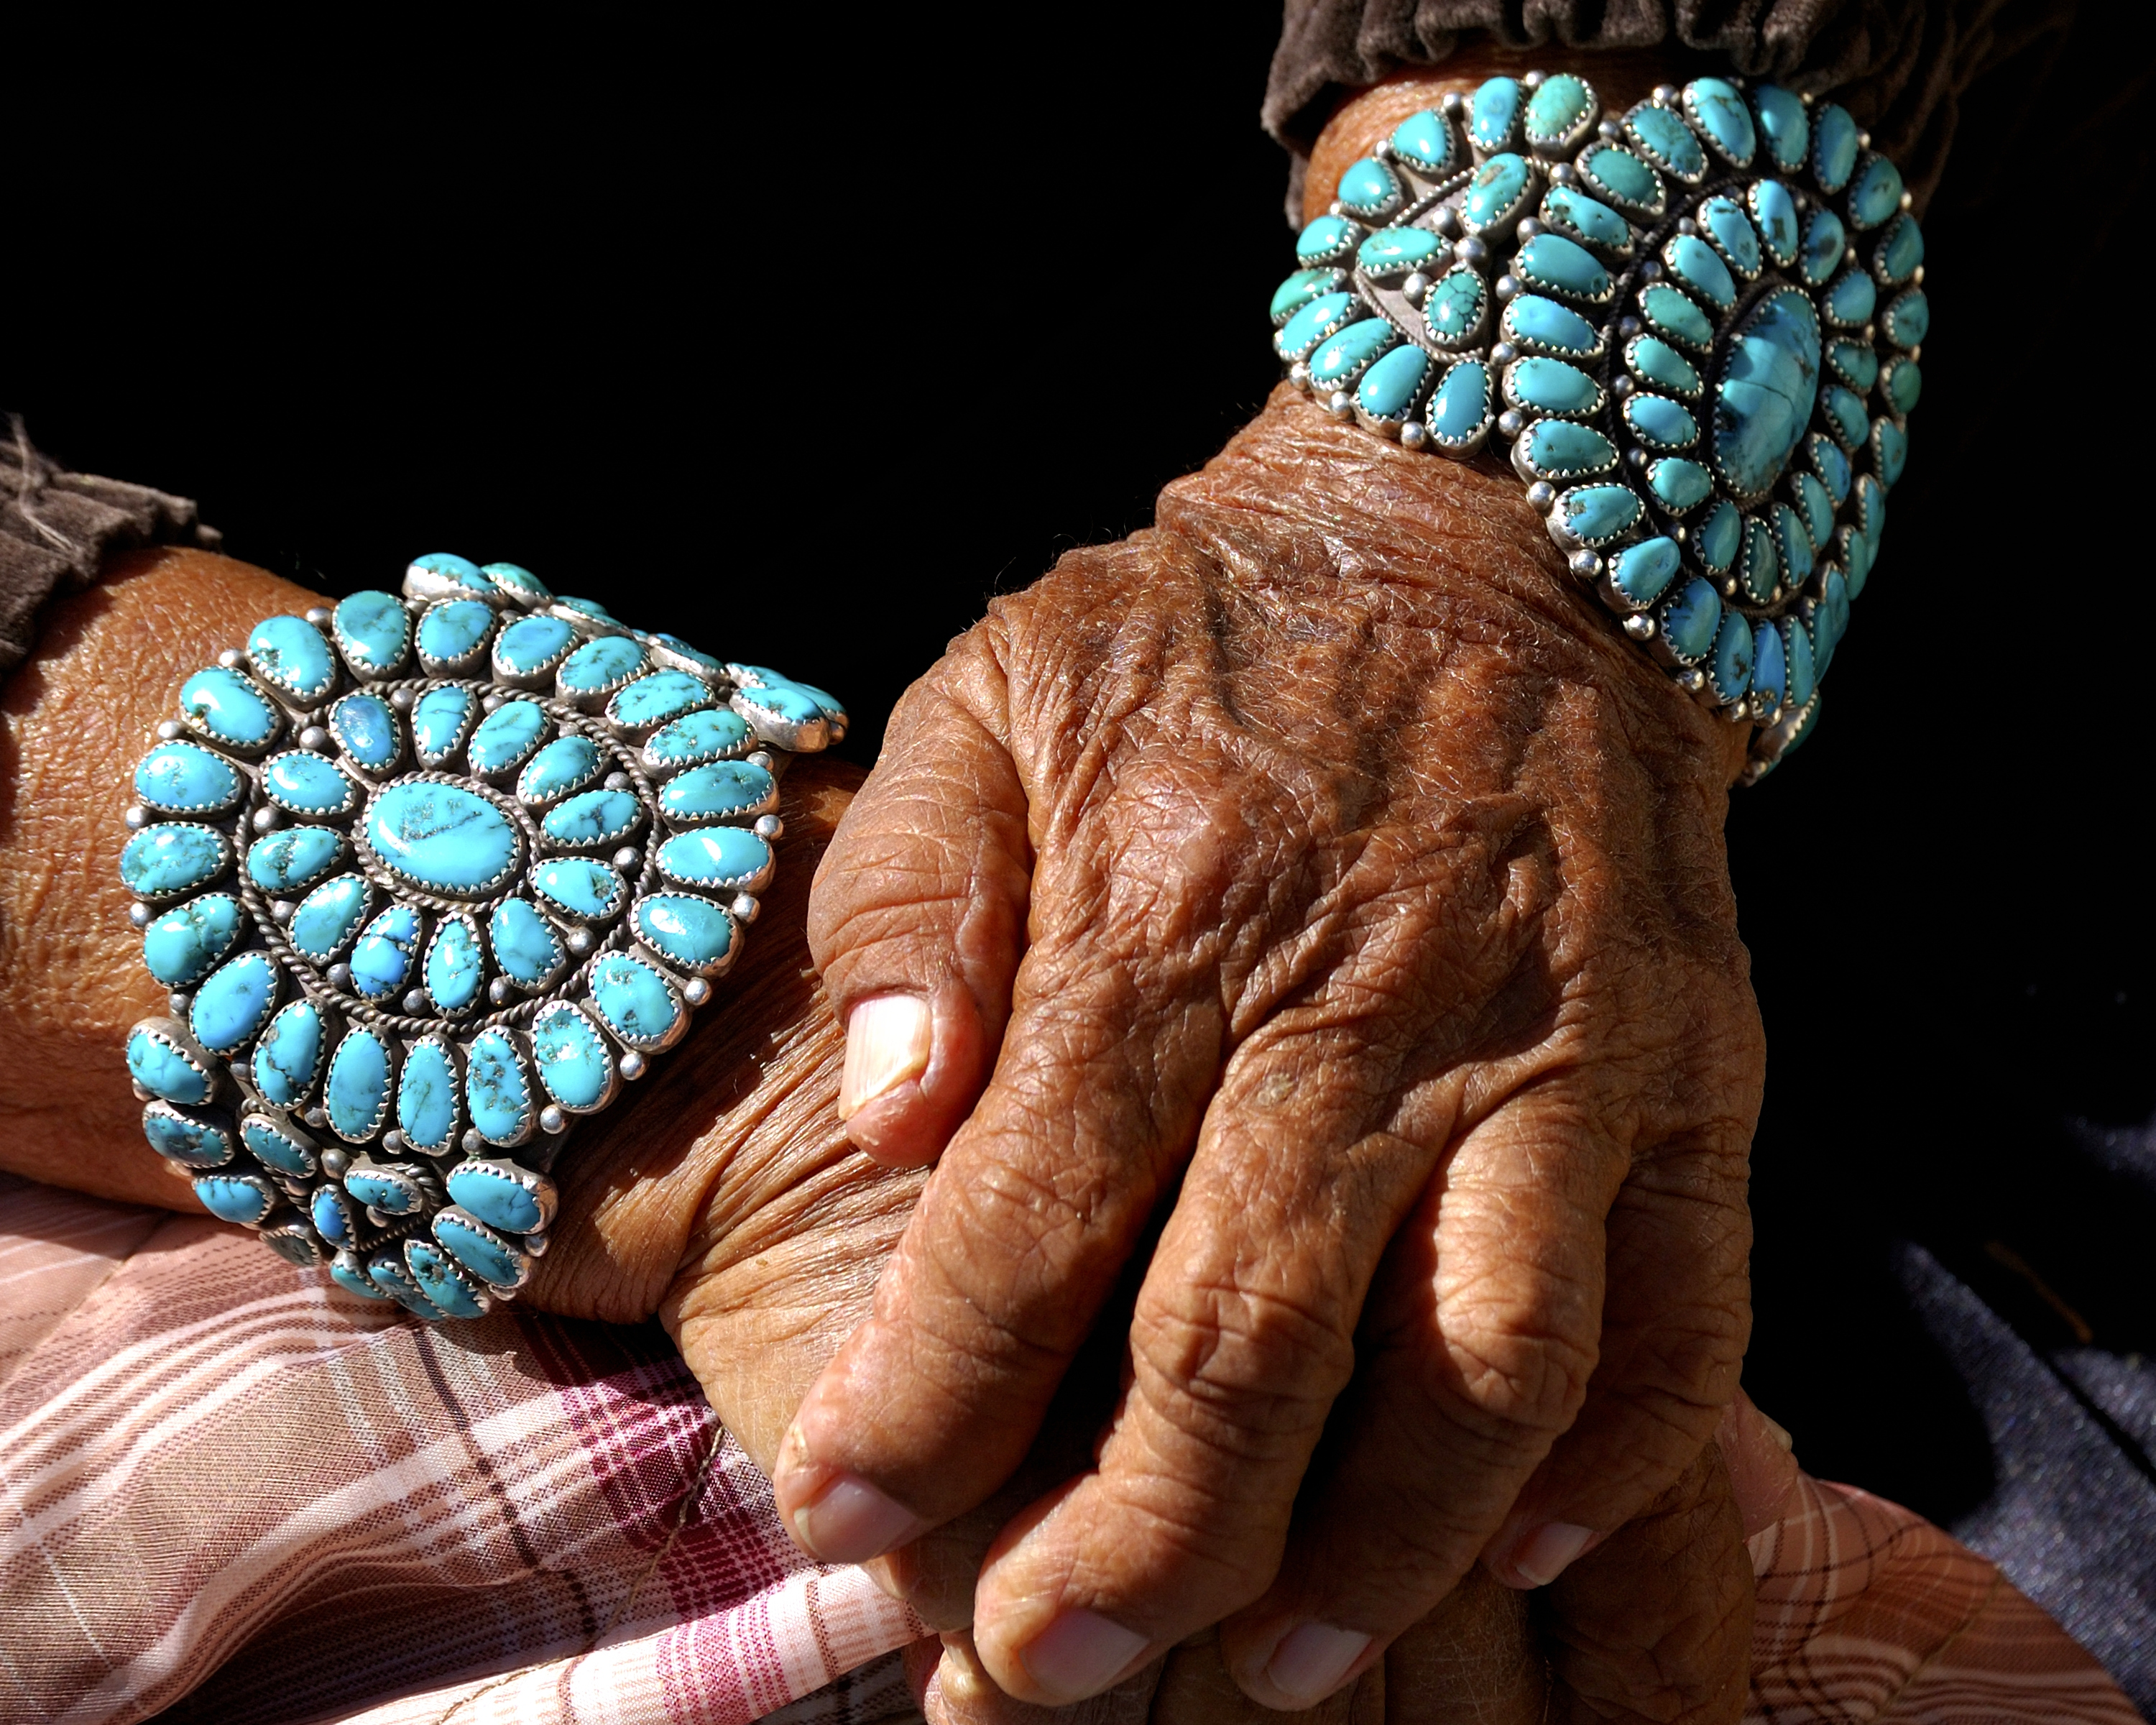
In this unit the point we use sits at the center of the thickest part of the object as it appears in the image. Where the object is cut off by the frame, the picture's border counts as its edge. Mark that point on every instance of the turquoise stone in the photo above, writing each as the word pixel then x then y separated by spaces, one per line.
pixel 1856 554
pixel 1770 674
pixel 724 790
pixel 1327 240
pixel 352 1278
pixel 1718 110
pixel 232 1005
pixel 513 578
pixel 1370 190
pixel 1765 395
pixel 455 966
pixel 330 1211
pixel 1290 297
pixel 1653 361
pixel 1551 262
pixel 1558 448
pixel 1823 240
pixel 1835 602
pixel 276 1146
pixel 1595 514
pixel 1460 406
pixel 1690 621
pixel 1338 360
pixel 1816 509
pixel 357 1092
pixel 1908 319
pixel 594 817
pixel 187 778
pixel 1394 251
pixel 442 837
pixel 1679 484
pixel 638 1005
pixel 685 930
pixel 1792 543
pixel 1774 215
pixel 1496 192
pixel 480 1250
pixel 524 942
pixel 1623 178
pixel 1669 313
pixel 567 764
pixel 497 1093
pixel 172 858
pixel 600 665
pixel 1494 113
pixel 365 729
pixel 1539 326
pixel 715 857
pixel 580 887
pixel 1642 573
pixel 1833 147
pixel 1311 325
pixel 699 737
pixel 155 1063
pixel 445 1284
pixel 1389 388
pixel 373 632
pixel 1876 194
pixel 440 719
pixel 329 917
pixel 531 646
pixel 1850 302
pixel 281 864
pixel 290 1054
pixel 1797 654
pixel 1717 539
pixel 306 783
pixel 224 706
pixel 1732 233
pixel 1855 362
pixel 1788 128
pixel 245 1198
pixel 1453 308
pixel 1597 224
pixel 681 650
pixel 1425 143
pixel 1558 109
pixel 387 1271
pixel 1550 386
pixel 181 944
pixel 1845 415
pixel 1732 671
pixel 506 737
pixel 427 1098
pixel 1890 449
pixel 453 635
pixel 1693 262
pixel 1659 423
pixel 448 566
pixel 1830 464
pixel 1666 140
pixel 1870 508
pixel 794 704
pixel 387 954
pixel 1901 249
pixel 290 653
pixel 572 1062
pixel 585 607
pixel 499 1193
pixel 192 1143
pixel 1761 571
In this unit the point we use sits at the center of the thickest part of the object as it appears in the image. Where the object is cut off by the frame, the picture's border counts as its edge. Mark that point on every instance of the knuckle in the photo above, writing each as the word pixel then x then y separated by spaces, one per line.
pixel 1520 1359
pixel 1243 1368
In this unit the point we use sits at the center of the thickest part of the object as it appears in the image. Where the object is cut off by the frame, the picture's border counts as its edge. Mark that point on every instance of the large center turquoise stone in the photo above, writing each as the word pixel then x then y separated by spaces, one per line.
pixel 1764 396
pixel 442 837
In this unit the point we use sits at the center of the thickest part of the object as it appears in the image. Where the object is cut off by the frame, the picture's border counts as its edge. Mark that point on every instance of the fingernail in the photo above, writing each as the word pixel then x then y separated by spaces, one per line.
pixel 1079 1655
pixel 1309 1661
pixel 1776 1430
pixel 851 1522
pixel 887 1042
pixel 1543 1555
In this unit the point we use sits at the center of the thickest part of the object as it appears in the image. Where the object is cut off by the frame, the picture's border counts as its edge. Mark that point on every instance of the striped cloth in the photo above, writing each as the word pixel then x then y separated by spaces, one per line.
pixel 229 1493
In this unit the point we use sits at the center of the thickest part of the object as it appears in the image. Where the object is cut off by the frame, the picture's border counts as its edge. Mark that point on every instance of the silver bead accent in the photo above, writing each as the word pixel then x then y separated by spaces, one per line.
pixel 1445 221
pixel 1640 627
pixel 1692 682
pixel 1471 251
pixel 1298 374
pixel 632 1065
pixel 339 977
pixel 1503 354
pixel 536 1242
pixel 265 819
pixel 1540 495
pixel 553 1120
pixel 1621 386
pixel 335 1161
pixel 761 758
pixel 319 615
pixel 140 914
pixel 143 1093
pixel 1665 95
pixel 616 781
pixel 1413 435
pixel 314 737
pixel 1341 405
pixel 1414 287
pixel 1687 226
pixel 1531 227
pixel 392 1143
pixel 1454 105
pixel 1586 565
pixel 136 817
pixel 769 826
pixel 1504 288
pixel 1564 174
pixel 315 1117
pixel 474 1144
pixel 415 1004
pixel 744 908
pixel 1532 80
pixel 401 699
pixel 488 703
pixel 170 729
pixel 498 992
pixel 230 658
pixel 695 991
pixel 1510 422
pixel 1610 132
pixel 179 1000
pixel 579 941
pixel 628 859
pixel 281 909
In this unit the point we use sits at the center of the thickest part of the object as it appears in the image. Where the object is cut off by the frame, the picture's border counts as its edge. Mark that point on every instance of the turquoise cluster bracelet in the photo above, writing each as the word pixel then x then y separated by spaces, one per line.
pixel 428 877
pixel 1696 328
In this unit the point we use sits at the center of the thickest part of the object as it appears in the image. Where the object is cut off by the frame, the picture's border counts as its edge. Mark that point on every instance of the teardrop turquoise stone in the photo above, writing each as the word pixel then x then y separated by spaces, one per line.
pixel 1876 194
pixel 330 1211
pixel 1643 572
pixel 1667 141
pixel 1855 552
pixel 1719 537
pixel 427 1098
pixel 357 1093
pixel 1558 448
pixel 1388 389
pixel 1459 406
pixel 1719 111
pixel 1550 386
pixel 182 944
pixel 159 1068
pixel 1797 654
pixel 1679 484
pixel 1620 174
pixel 1775 212
pixel 440 1279
pixel 1423 140
pixel 564 765
pixel 1692 261
pixel 455 966
pixel 1850 301
pixel 657 698
pixel 1553 262
pixel 282 863
pixel 1494 111
pixel 1691 619
pixel 308 783
pixel 1310 326
pixel 1341 356
pixel 715 856
pixel 1732 674
pixel 439 719
pixel 387 953
pixel 275 1147
pixel 1496 189
pixel 491 1191
pixel 523 944
pixel 512 577
pixel 1595 515
pixel 449 566
pixel 1394 251
pixel 531 644
pixel 388 1190
pixel 245 1198
pixel 1653 361
pixel 1761 569
pixel 228 707
pixel 1326 240
pixel 1561 104
pixel 1769 673
pixel 230 1007
pixel 328 917
pixel 497 1094
pixel 506 737
pixel 728 790
pixel 1659 423
pixel 580 885
pixel 1833 147
pixel 289 1054
pixel 1855 362
pixel 594 817
pixel 366 729
pixel 1370 190
pixel 691 932
pixel 600 664
pixel 1908 319
pixel 1670 313
pixel 454 633
pixel 289 653
pixel 1889 447
pixel 1566 206
pixel 1765 393
pixel 1788 127
pixel 374 631
pixel 1794 543
pixel 1904 382
pixel 1831 466
pixel 1816 510
pixel 636 1003
pixel 1730 230
pixel 186 779
pixel 1901 249
pixel 442 837
pixel 573 1061
pixel 699 737
pixel 1845 413
pixel 1532 322
pixel 1453 307
pixel 490 1258
pixel 1823 240
pixel 192 1143
pixel 172 857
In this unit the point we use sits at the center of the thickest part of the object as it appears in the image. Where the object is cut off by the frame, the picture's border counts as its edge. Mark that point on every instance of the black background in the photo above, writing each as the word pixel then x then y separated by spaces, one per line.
pixel 804 350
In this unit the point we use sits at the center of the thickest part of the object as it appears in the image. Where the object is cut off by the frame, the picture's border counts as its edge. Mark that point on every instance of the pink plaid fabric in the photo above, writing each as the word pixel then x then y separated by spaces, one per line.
pixel 229 1493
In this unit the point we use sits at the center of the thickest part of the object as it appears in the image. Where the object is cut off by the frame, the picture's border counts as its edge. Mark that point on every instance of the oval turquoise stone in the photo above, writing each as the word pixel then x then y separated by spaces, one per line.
pixel 1909 319
pixel 699 737
pixel 1597 224
pixel 1904 382
pixel 797 706
pixel 387 954
pixel 1459 406
pixel 1642 573
pixel 715 856
pixel 357 1092
pixel 1850 301
pixel 532 644
pixel 1550 386
pixel 1876 194
pixel 307 784
pixel 585 607
pixel 1793 542
pixel 1394 251
pixel 440 1280
pixel 442 837
pixel 1597 514
pixel 1667 141
pixel 183 944
pixel 280 864
pixel 330 1210
pixel 454 633
pixel 691 932
pixel 523 941
pixel 636 1002
pixel 245 1198
pixel 229 708
pixel 1423 140
pixel 289 653
pixel 724 790
pixel 1653 361
pixel 594 817
pixel 601 664
pixel 1761 569
pixel 653 701
pixel 1775 213
pixel 1290 297
pixel 494 1194
pixel 1620 174
pixel 1855 362
pixel 565 764
pixel 1691 620
pixel 1679 484
pixel 1769 673
pixel 1797 654
pixel 1562 266
pixel 1556 109
pixel 1765 395
pixel 1823 240
pixel 186 779
pixel 1830 464
pixel 1718 537
pixel 476 1247
pixel 1326 240
pixel 276 1147
pixel 1453 307
pixel 1731 231
pixel 174 857
pixel 1659 423
pixel 1732 672
pixel 513 578
pixel 1787 126
pixel 1368 189
pixel 1816 508
pixel 1389 388
pixel 579 885
pixel 1833 147
pixel 159 1068
pixel 192 1143
pixel 1310 326
pixel 1496 190
pixel 1494 111
pixel 1670 313
pixel 1692 261
pixel 449 566
pixel 1845 413
pixel 230 1007
pixel 374 632
pixel 328 917
pixel 440 720
pixel 1856 559
pixel 1337 359
pixel 1532 322
pixel 506 736
pixel 1901 249
pixel 1890 449
pixel 1558 448
pixel 1719 111
pixel 572 1062
pixel 427 1098
pixel 290 1054
pixel 366 729
pixel 497 1094
pixel 455 966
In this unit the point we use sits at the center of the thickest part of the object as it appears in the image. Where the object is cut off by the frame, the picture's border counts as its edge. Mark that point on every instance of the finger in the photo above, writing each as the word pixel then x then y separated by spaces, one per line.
pixel 1195 1689
pixel 918 914
pixel 1473 1658
pixel 1762 1460
pixel 959 1691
